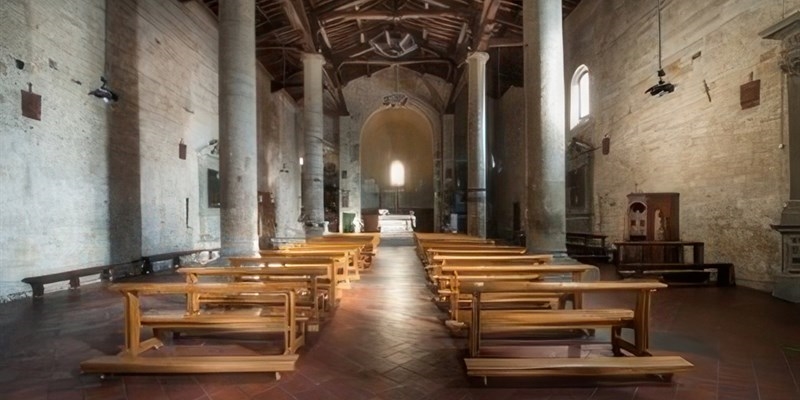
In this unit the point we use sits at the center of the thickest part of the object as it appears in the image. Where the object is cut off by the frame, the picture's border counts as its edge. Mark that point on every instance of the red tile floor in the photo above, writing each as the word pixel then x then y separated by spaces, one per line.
pixel 386 340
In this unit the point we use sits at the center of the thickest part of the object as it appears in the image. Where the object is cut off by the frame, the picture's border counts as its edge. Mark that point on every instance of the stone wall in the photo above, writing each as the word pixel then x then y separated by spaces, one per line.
pixel 728 164
pixel 54 172
pixel 509 152
pixel 282 163
pixel 94 183
pixel 426 95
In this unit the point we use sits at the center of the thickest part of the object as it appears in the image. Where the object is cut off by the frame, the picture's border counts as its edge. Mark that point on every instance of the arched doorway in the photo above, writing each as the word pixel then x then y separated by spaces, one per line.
pixel 406 136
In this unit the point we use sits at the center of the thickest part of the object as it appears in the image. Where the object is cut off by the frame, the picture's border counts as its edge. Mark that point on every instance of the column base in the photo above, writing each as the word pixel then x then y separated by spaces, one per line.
pixel 314 230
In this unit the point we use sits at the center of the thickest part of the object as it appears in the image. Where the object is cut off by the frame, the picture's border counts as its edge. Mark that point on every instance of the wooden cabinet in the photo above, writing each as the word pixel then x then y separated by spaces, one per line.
pixel 653 217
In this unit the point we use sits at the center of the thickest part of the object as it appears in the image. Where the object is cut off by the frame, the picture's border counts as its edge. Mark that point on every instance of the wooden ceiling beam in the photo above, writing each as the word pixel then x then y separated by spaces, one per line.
pixel 387 15
pixel 484 28
pixel 334 84
pixel 297 15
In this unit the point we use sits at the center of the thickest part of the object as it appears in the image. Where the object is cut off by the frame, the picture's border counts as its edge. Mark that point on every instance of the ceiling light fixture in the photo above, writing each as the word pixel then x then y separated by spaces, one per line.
pixel 393 44
pixel 662 87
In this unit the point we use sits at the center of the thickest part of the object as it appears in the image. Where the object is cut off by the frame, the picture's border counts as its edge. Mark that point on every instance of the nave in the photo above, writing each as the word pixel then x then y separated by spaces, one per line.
pixel 387 340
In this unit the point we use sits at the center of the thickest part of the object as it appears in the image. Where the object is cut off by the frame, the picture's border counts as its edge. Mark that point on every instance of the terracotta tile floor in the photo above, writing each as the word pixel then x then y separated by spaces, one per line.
pixel 387 341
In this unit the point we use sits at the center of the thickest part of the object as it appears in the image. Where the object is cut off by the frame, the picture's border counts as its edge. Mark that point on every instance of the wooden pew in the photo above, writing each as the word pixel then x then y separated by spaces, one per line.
pixel 492 259
pixel 350 271
pixel 362 256
pixel 486 260
pixel 666 260
pixel 371 240
pixel 334 281
pixel 452 277
pixel 493 250
pixel 132 359
pixel 427 240
pixel 516 322
pixel 303 280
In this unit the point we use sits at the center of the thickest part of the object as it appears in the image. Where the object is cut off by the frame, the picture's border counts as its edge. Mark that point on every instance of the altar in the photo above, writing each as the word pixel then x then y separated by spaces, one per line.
pixel 397 223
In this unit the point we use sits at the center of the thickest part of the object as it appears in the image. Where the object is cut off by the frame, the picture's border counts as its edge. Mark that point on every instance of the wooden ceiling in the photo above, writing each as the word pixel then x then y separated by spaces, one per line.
pixel 360 37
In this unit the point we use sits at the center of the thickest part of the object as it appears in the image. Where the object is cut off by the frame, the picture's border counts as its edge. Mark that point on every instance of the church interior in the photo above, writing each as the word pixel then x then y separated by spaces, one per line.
pixel 651 142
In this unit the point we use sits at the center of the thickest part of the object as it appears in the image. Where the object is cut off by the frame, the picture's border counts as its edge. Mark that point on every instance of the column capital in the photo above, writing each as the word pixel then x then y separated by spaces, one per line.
pixel 312 57
pixel 790 56
pixel 480 56
pixel 788 32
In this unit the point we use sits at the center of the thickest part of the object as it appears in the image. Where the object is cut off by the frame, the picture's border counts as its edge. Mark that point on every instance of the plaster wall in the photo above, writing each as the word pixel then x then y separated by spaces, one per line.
pixel 726 162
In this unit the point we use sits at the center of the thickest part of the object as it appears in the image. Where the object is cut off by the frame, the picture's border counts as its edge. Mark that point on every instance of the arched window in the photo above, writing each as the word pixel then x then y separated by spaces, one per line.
pixel 579 96
pixel 397 174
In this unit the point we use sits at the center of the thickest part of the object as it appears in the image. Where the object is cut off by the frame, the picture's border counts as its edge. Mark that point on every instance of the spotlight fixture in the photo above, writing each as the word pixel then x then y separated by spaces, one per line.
pixel 103 92
pixel 662 87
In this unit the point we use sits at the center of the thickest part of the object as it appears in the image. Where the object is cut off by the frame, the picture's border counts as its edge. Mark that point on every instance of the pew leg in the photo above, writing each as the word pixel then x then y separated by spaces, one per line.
pixel 75 282
pixel 38 290
pixel 616 336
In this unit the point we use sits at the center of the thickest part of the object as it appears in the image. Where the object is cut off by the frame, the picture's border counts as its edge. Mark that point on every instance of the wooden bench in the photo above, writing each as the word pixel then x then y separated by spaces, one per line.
pixel 132 358
pixel 496 259
pixel 721 274
pixel 587 247
pixel 666 260
pixel 515 322
pixel 572 367
pixel 104 272
pixel 424 241
pixel 348 256
pixel 371 241
pixel 362 257
pixel 452 277
pixel 484 260
pixel 333 282
pixel 492 250
pixel 303 280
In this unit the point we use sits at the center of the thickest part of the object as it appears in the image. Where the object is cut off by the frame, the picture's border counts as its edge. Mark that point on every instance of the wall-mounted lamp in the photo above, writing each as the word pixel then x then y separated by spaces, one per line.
pixel 301 161
pixel 103 92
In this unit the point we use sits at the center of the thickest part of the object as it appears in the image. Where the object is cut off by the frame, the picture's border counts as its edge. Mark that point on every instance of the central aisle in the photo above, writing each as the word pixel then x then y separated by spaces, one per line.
pixel 385 340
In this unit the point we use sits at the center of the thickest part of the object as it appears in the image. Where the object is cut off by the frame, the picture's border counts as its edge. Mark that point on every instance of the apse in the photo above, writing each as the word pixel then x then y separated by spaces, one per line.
pixel 404 135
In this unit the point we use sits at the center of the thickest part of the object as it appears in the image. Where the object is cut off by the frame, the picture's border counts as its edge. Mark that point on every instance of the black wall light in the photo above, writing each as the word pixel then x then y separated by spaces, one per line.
pixel 662 87
pixel 103 92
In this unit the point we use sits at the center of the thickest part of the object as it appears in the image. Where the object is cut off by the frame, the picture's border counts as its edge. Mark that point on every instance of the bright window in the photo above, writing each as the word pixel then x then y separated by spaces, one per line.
pixel 583 95
pixel 579 96
pixel 397 174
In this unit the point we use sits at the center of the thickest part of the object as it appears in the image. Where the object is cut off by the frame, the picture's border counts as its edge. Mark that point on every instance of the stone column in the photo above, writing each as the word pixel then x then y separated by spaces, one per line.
pixel 476 145
pixel 312 125
pixel 544 127
pixel 237 128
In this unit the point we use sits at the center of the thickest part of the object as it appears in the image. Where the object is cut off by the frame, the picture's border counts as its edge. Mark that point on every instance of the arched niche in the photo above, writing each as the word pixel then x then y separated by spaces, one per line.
pixel 401 134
